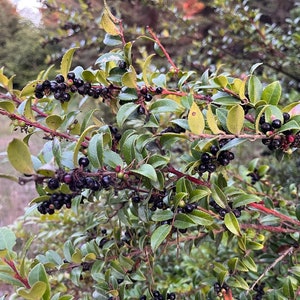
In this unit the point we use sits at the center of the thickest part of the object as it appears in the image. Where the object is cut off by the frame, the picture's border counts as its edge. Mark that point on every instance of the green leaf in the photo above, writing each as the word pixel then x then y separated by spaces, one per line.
pixel 7 239
pixel 219 196
pixel 165 105
pixel 272 93
pixel 145 67
pixel 9 177
pixel 159 235
pixel 232 223
pixel 287 288
pixel 112 159
pixel 129 78
pixel 54 121
pixel 19 156
pixel 39 199
pixel 7 106
pixel 242 200
pixel 221 80
pixel 36 292
pixel 249 263
pixel 290 125
pixel 96 150
pixel 235 119
pixel 124 112
pixel 195 119
pixel 107 22
pixel 38 274
pixel 29 88
pixel 112 40
pixel 183 221
pixel 162 215
pixel 254 89
pixel 146 170
pixel 201 217
pixel 66 61
pixel 254 67
pixel 128 94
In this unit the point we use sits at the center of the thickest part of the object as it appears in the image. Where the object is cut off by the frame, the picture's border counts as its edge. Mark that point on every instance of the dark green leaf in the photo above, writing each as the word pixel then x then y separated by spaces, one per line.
pixel 124 112
pixel 159 235
pixel 96 150
pixel 232 223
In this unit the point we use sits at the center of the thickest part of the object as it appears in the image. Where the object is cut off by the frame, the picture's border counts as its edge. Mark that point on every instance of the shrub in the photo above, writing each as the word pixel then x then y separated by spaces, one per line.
pixel 140 170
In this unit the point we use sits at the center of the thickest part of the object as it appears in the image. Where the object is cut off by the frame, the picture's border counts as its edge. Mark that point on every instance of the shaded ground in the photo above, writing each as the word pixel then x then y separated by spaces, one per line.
pixel 13 197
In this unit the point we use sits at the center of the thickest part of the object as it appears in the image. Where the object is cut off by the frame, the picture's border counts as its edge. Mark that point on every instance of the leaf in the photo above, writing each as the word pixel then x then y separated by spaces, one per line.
pixel 129 78
pixel 19 156
pixel 7 239
pixel 219 196
pixel 54 121
pixel 232 223
pixel 272 93
pixel 221 80
pixel 112 159
pixel 162 215
pixel 254 67
pixel 287 288
pixel 112 40
pixel 107 23
pixel 165 105
pixel 95 150
pixel 159 235
pixel 146 170
pixel 145 67
pixel 124 112
pixel 201 217
pixel 290 125
pixel 38 274
pixel 28 113
pixel 183 221
pixel 9 177
pixel 235 119
pixel 254 89
pixel 195 119
pixel 7 106
pixel 211 121
pixel 66 61
pixel 29 88
pixel 35 293
pixel 245 199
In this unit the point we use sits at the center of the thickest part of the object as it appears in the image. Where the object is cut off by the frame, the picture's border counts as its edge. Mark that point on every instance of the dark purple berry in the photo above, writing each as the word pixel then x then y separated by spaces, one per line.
pixel 106 181
pixel 265 127
pixel 53 184
pixel 78 82
pixel 224 161
pixel 136 199
pixel 202 168
pixel 65 97
pixel 83 161
pixel 46 84
pixel 205 157
pixel 237 212
pixel 67 178
pixel 211 168
pixel 230 155
pixel 122 64
pixel 262 120
pixel 59 78
pixel 286 116
pixel 143 297
pixel 214 149
pixel 188 208
pixel 71 75
pixel 276 123
pixel 39 95
pixel 148 97
pixel 158 90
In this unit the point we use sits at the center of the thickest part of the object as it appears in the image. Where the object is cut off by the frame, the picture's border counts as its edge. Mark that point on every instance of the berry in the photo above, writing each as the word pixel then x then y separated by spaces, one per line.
pixel 67 178
pixel 214 149
pixel 122 64
pixel 211 168
pixel 265 127
pixel 202 168
pixel 46 84
pixel 237 213
pixel 262 120
pixel 286 117
pixel 223 161
pixel 38 95
pixel 148 97
pixel 106 181
pixel 230 156
pixel 136 199
pixel 143 297
pixel 65 97
pixel 171 296
pixel 78 82
pixel 276 123
pixel 158 90
pixel 188 208
pixel 83 161
pixel 59 78
pixel 71 75
pixel 53 184
pixel 205 157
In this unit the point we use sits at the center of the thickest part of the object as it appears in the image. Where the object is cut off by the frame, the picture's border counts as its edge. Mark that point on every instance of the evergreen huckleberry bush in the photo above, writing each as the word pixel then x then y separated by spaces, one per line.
pixel 140 190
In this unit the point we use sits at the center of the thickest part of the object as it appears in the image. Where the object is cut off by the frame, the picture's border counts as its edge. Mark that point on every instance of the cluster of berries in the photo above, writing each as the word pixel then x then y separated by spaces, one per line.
pixel 255 177
pixel 259 291
pixel 223 211
pixel 283 141
pixel 173 129
pixel 218 288
pixel 156 200
pixel 62 88
pixel 55 202
pixel 76 182
pixel 146 95
pixel 158 296
pixel 209 161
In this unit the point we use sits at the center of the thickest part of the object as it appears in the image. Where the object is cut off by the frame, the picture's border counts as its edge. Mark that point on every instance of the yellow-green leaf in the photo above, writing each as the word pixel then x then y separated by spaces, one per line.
pixel 54 121
pixel 35 293
pixel 232 223
pixel 28 113
pixel 272 93
pixel 29 88
pixel 129 78
pixel 67 61
pixel 221 80
pixel 19 156
pixel 145 68
pixel 107 23
pixel 195 119
pixel 7 106
pixel 239 87
pixel 211 121
pixel 235 119
pixel 77 256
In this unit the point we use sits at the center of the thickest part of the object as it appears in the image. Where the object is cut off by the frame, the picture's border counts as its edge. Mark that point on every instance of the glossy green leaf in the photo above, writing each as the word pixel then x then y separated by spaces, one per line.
pixel 128 94
pixel 129 78
pixel 38 274
pixel 145 68
pixel 290 125
pixel 183 221
pixel 201 217
pixel 146 170
pixel 9 177
pixel 165 105
pixel 19 156
pixel 162 215
pixel 288 289
pixel 7 106
pixel 232 223
pixel 112 159
pixel 124 112
pixel 254 67
pixel 36 292
pixel 28 112
pixel 222 98
pixel 249 263
pixel 245 199
pixel 159 235
pixel 7 239
pixel 96 150
pixel 195 119
pixel 158 161
pixel 254 89
pixel 66 61
pixel 54 121
pixel 112 40
pixel 105 58
pixel 219 196
pixel 272 93
pixel 39 199
pixel 235 119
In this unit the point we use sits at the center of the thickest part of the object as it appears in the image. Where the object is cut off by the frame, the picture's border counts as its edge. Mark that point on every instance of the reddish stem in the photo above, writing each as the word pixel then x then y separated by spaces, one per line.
pixel 275 213
pixel 190 178
pixel 17 275
pixel 157 41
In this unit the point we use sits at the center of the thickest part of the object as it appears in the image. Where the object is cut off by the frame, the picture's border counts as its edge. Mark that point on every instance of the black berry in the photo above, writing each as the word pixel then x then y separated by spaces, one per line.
pixel 148 97
pixel 53 184
pixel 265 127
pixel 83 161
pixel 59 78
pixel 276 123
